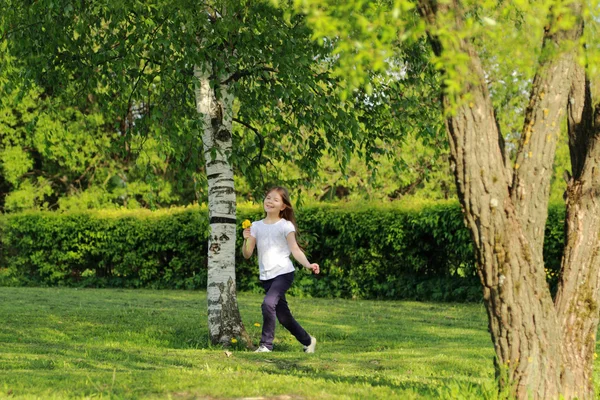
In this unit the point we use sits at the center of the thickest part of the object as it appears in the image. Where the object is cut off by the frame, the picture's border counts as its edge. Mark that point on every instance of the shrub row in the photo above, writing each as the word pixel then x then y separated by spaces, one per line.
pixel 419 252
pixel 105 249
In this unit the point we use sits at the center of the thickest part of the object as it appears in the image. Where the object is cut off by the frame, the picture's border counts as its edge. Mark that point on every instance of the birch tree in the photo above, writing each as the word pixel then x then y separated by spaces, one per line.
pixel 155 68
pixel 214 99
pixel 275 92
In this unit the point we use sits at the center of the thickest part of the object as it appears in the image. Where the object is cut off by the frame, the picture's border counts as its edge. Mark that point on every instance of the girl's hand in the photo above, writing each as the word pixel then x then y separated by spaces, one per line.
pixel 315 268
pixel 249 243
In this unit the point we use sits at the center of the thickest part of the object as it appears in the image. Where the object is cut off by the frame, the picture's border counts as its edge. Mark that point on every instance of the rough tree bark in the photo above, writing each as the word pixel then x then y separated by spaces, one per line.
pixel 542 349
pixel 215 106
pixel 577 297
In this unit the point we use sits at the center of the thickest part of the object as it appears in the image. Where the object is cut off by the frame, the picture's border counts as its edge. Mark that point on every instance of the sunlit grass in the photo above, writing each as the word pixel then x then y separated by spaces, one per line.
pixel 68 343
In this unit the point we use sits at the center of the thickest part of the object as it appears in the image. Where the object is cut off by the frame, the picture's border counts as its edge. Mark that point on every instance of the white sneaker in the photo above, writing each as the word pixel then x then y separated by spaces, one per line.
pixel 311 347
pixel 262 349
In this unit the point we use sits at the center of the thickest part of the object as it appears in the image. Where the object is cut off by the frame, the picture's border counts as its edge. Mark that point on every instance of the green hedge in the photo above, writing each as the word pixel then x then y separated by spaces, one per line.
pixel 105 249
pixel 391 252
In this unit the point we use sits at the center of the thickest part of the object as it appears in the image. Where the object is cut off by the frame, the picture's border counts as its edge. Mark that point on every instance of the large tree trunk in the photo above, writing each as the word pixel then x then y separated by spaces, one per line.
pixel 224 321
pixel 506 215
pixel 577 296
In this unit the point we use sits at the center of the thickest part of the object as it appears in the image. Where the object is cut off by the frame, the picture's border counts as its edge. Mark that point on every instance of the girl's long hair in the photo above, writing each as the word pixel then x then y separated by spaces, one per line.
pixel 288 211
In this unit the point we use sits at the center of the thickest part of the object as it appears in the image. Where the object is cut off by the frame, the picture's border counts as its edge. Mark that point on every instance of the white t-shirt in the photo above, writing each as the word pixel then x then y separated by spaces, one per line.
pixel 272 248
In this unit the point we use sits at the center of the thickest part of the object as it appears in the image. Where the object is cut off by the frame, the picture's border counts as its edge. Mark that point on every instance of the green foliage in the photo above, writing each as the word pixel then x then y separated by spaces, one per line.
pixel 62 158
pixel 506 35
pixel 57 155
pixel 420 169
pixel 112 75
pixel 362 33
pixel 131 64
pixel 419 251
pixel 117 125
pixel 554 243
pixel 107 248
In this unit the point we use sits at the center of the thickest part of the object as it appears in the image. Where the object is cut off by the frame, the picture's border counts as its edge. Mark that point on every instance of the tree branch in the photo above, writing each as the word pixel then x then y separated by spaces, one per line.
pixel 21 28
pixel 261 139
pixel 580 119
pixel 236 76
pixel 539 137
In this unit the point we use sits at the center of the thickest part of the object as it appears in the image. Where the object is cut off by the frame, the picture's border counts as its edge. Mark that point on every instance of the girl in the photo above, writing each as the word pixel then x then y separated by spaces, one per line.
pixel 275 238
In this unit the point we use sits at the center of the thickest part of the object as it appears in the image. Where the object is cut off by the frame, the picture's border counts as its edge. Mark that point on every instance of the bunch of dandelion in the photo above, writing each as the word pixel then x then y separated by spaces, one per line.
pixel 245 225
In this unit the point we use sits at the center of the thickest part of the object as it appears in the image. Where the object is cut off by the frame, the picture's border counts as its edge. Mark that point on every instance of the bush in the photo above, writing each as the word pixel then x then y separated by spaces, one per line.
pixel 380 253
pixel 106 249
pixel 420 252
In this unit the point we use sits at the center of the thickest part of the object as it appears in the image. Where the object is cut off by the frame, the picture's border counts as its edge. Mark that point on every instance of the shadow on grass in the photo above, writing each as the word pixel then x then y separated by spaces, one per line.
pixel 430 388
pixel 403 346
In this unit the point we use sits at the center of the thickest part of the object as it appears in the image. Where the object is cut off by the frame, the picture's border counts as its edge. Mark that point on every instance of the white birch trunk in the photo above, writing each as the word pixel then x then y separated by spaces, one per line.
pixel 224 321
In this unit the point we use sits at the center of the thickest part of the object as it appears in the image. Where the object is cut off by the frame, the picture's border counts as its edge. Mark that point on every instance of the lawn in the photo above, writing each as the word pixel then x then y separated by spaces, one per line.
pixel 128 344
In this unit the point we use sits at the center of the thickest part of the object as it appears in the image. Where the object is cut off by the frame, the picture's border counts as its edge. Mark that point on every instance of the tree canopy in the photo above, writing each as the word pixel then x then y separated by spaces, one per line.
pixel 131 67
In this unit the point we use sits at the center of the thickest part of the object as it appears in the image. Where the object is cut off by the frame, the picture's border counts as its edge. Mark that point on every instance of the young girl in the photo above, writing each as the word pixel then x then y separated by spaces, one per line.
pixel 275 239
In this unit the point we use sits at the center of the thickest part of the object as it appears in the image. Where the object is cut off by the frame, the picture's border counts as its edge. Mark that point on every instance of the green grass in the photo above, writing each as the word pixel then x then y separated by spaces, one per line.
pixel 129 344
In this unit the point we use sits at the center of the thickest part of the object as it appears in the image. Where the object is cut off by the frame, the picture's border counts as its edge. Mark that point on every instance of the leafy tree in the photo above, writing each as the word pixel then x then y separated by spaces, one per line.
pixel 269 74
pixel 63 148
pixel 150 68
pixel 544 346
pixel 134 62
pixel 45 152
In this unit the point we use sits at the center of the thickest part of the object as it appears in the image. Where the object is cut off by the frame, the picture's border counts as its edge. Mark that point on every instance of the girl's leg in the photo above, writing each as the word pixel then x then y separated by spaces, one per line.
pixel 272 310
pixel 274 289
pixel 285 317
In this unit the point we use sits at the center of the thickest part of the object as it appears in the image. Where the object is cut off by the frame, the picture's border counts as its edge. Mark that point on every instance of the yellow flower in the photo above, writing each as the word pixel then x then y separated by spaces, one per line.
pixel 595 355
pixel 233 340
pixel 246 224
pixel 256 324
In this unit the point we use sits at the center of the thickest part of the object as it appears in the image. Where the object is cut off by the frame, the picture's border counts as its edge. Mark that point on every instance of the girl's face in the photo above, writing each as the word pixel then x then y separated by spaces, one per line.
pixel 273 203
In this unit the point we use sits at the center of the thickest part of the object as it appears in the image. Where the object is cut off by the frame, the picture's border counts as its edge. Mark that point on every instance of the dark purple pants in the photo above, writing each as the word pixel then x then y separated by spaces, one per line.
pixel 275 306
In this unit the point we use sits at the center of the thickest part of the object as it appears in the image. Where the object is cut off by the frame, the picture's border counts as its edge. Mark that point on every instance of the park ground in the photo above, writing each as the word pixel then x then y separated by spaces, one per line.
pixel 66 343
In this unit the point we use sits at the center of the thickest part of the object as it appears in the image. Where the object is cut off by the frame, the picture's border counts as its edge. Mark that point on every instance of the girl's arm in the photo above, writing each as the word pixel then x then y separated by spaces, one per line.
pixel 249 243
pixel 299 254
